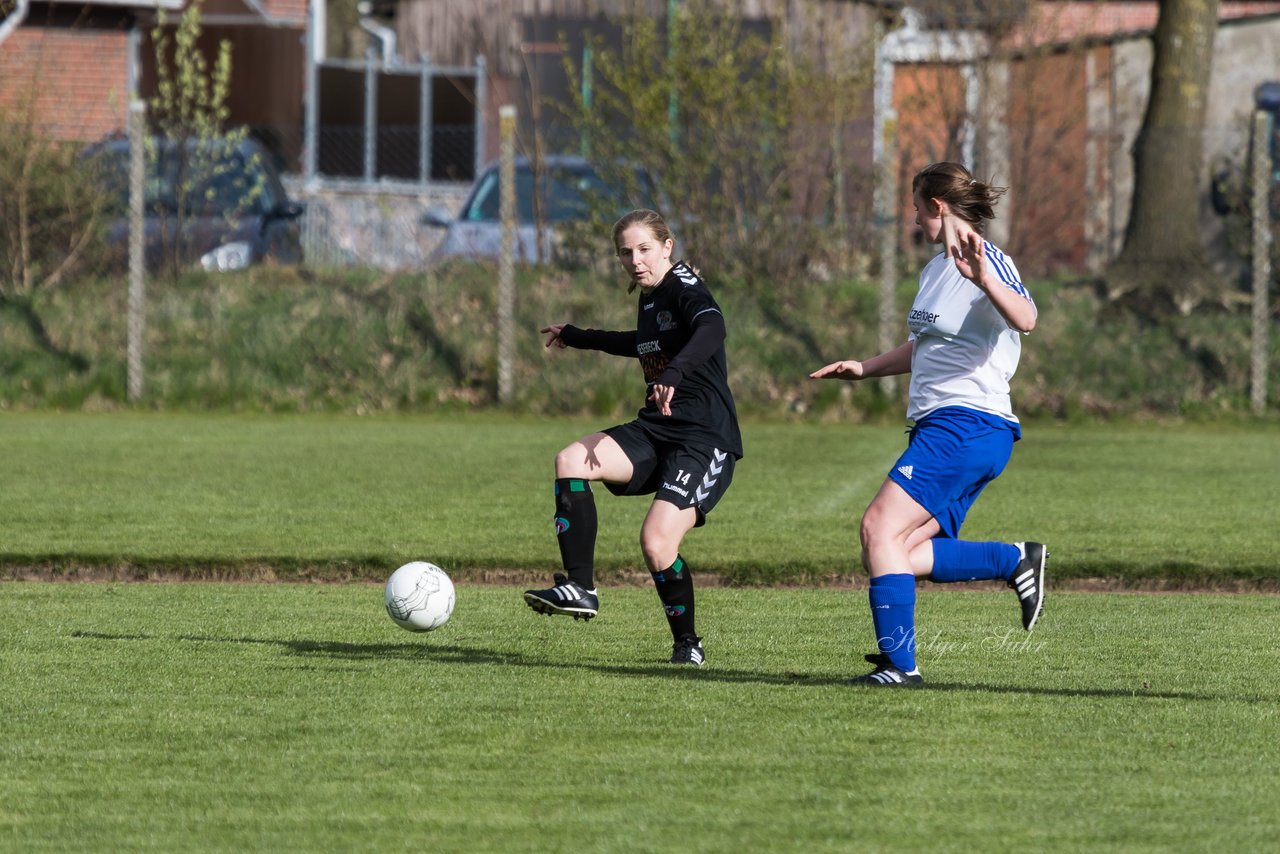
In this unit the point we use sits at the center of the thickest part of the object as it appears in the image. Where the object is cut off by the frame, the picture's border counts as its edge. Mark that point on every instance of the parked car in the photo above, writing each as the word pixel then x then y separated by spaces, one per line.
pixel 209 203
pixel 571 190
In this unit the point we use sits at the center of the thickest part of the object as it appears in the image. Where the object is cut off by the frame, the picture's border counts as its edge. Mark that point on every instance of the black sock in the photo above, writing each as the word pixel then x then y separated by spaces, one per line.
pixel 675 589
pixel 576 529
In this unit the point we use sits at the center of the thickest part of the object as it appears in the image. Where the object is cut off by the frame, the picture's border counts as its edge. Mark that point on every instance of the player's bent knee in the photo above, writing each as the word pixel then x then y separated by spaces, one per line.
pixel 867 531
pixel 659 551
pixel 875 536
pixel 571 462
pixel 659 546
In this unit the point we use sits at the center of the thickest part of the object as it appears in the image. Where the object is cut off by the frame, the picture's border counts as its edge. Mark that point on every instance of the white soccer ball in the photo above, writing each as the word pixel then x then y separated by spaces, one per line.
pixel 419 596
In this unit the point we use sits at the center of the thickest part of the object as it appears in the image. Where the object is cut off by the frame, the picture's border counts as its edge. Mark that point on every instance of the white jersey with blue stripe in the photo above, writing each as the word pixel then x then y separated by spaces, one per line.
pixel 965 352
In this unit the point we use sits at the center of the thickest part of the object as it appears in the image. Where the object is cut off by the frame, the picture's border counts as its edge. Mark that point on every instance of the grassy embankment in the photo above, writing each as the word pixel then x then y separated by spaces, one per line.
pixel 282 341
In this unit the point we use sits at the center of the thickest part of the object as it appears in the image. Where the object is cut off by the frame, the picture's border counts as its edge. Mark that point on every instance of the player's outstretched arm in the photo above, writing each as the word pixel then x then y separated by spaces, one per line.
pixel 562 335
pixel 891 363
pixel 553 335
pixel 848 369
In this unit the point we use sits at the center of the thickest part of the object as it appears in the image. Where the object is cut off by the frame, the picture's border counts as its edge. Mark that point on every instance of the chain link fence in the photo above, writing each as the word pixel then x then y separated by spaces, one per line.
pixel 353 226
pixel 383 144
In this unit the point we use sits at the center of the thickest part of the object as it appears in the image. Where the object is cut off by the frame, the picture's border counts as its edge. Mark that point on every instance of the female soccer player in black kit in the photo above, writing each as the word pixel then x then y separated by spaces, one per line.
pixel 681 448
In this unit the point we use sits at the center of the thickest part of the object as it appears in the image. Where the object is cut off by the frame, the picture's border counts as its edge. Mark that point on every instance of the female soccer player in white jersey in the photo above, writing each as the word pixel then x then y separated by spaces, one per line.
pixel 681 448
pixel 963 348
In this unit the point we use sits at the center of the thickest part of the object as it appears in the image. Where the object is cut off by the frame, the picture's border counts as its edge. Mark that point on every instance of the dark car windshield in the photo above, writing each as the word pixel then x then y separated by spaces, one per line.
pixel 570 193
pixel 226 183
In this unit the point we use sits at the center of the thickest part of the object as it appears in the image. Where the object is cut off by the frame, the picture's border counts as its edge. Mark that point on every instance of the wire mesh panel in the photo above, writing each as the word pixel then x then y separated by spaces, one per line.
pixel 453 152
pixel 341 151
pixel 394 140
pixel 357 225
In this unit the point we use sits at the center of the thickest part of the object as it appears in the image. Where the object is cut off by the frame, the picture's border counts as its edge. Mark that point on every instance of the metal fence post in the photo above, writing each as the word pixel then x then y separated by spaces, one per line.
pixel 311 98
pixel 426 125
pixel 1261 177
pixel 137 247
pixel 673 97
pixel 885 194
pixel 506 260
pixel 588 59
pixel 370 113
pixel 481 106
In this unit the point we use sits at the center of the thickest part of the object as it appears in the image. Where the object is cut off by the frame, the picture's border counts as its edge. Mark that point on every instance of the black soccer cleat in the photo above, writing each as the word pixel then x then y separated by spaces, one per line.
pixel 1028 582
pixel 688 650
pixel 886 675
pixel 567 597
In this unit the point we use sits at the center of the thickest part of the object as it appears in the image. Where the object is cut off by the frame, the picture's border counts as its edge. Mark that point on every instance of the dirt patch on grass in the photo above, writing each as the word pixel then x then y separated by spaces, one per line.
pixel 263 573
pixel 248 572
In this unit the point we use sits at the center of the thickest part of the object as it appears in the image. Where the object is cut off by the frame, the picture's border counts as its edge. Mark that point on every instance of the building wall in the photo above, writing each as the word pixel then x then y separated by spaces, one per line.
pixel 1028 143
pixel 268 81
pixel 78 78
pixel 1051 22
pixel 1128 90
pixel 293 11
pixel 76 67
pixel 521 42
pixel 1245 54
pixel 287 12
pixel 1046 206
pixel 454 32
pixel 1067 126
pixel 929 100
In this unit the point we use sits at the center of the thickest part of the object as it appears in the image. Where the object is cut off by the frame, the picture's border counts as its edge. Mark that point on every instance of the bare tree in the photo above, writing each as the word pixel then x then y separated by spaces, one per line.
pixel 190 111
pixel 738 129
pixel 1163 263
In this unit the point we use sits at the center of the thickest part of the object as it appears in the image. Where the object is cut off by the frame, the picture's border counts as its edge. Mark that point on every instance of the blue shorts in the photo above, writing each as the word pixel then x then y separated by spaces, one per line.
pixel 952 454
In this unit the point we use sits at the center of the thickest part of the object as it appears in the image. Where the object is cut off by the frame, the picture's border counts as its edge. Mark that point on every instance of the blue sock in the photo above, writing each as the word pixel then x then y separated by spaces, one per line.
pixel 960 560
pixel 893 613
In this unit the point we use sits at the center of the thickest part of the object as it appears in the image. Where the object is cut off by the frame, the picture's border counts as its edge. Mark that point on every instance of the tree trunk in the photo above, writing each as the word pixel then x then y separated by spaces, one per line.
pixel 1163 263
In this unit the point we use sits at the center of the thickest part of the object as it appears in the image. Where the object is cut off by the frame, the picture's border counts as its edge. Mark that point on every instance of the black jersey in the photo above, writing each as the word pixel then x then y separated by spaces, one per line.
pixel 669 315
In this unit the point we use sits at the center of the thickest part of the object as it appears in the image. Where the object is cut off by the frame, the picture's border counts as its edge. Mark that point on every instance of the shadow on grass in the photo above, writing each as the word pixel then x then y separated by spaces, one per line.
pixel 457 654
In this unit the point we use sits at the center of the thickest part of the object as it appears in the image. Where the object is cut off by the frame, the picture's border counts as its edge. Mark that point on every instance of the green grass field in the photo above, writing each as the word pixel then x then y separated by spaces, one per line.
pixel 351 497
pixel 295 716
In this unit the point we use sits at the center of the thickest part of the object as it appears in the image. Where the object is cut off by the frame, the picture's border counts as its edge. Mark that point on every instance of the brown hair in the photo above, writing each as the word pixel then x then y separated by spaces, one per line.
pixel 652 220
pixel 972 200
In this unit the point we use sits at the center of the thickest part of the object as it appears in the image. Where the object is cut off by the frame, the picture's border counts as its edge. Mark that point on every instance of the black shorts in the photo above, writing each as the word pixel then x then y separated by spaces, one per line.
pixel 683 475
